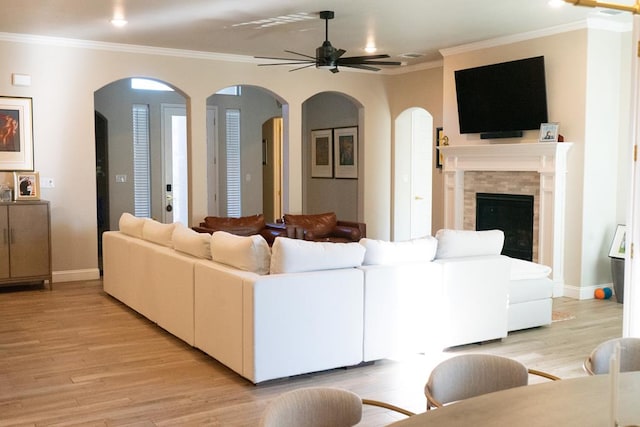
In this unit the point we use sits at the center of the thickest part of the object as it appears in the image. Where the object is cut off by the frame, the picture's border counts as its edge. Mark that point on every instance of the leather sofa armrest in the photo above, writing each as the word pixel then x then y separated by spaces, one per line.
pixel 351 233
pixel 202 229
pixel 359 225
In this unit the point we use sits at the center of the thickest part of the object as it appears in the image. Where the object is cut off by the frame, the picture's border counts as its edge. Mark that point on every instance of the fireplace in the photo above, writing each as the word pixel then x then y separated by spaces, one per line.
pixel 511 213
pixel 547 160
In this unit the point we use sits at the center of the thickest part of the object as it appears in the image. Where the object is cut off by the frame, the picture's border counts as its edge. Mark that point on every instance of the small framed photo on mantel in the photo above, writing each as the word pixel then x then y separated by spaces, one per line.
pixel 26 185
pixel 549 132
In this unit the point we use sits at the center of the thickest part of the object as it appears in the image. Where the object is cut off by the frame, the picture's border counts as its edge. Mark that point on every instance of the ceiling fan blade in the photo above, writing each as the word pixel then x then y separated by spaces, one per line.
pixel 360 66
pixel 283 59
pixel 381 62
pixel 364 58
pixel 301 54
pixel 289 63
pixel 338 53
pixel 300 68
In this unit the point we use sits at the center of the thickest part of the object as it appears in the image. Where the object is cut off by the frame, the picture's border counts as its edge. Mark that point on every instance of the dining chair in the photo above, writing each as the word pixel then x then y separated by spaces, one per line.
pixel 598 361
pixel 319 407
pixel 469 375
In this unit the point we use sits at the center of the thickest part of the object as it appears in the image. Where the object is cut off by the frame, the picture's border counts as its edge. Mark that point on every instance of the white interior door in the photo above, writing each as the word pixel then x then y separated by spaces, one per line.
pixel 175 180
pixel 412 175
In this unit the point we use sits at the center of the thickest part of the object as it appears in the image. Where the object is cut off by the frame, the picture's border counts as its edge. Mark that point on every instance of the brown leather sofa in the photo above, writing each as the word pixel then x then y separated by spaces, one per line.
pixel 323 227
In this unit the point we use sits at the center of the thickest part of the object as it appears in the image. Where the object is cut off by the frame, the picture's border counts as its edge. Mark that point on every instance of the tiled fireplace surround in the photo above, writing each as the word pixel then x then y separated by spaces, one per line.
pixel 537 169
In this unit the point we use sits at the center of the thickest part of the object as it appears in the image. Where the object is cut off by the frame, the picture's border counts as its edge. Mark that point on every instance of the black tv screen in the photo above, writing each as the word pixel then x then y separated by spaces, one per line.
pixel 506 97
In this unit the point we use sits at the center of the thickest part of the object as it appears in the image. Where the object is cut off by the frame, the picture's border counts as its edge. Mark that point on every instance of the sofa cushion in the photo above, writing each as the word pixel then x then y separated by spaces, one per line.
pixel 191 242
pixel 131 225
pixel 381 252
pixel 295 255
pixel 320 225
pixel 524 270
pixel 249 253
pixel 157 232
pixel 243 226
pixel 463 243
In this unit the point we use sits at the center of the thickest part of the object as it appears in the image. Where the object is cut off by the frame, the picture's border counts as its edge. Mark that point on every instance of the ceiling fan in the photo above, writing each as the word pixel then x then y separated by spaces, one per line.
pixel 329 58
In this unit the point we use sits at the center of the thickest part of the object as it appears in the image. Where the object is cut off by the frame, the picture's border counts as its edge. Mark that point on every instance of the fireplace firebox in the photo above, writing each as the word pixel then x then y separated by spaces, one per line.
pixel 511 213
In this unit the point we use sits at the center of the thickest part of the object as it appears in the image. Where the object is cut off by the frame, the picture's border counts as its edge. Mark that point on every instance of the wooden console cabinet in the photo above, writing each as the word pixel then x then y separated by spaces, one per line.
pixel 25 242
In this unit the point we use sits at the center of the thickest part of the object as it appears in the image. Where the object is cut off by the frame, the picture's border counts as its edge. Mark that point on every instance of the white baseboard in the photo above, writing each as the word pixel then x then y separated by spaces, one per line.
pixel 76 275
pixel 584 292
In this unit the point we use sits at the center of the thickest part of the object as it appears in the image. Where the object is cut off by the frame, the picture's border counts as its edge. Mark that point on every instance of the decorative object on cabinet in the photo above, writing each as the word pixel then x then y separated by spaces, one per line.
pixel 346 152
pixel 321 159
pixel 25 250
pixel 549 132
pixel 16 134
pixel 618 244
pixel 26 185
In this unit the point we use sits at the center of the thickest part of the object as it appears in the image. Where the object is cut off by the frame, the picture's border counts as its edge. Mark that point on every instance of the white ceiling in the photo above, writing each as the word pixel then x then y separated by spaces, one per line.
pixel 397 27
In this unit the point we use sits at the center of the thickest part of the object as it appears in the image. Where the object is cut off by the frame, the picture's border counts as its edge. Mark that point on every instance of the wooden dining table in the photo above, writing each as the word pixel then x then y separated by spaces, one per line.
pixel 583 401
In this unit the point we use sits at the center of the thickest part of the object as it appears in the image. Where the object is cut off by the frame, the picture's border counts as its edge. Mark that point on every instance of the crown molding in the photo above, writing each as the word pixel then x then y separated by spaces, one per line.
pixel 120 47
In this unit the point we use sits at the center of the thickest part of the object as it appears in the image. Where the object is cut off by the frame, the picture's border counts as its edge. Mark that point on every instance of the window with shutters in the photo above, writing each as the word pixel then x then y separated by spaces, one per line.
pixel 141 175
pixel 234 199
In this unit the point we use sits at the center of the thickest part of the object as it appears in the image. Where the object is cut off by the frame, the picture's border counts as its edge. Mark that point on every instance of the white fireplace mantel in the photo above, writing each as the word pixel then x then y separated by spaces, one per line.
pixel 549 159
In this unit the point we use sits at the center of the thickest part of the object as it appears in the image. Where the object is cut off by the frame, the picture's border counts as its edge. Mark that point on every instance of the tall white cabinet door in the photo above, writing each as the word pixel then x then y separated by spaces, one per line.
pixel 4 243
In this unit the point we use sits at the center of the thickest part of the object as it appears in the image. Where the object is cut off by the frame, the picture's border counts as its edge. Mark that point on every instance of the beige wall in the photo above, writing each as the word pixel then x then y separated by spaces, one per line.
pixel 65 77
pixel 577 63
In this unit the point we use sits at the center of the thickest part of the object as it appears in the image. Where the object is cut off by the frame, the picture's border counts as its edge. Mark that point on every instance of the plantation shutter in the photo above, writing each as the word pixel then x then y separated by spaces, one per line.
pixel 141 174
pixel 234 196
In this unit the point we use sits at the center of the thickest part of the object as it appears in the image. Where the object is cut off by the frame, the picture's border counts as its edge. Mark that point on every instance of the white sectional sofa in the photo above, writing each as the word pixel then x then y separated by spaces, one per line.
pixel 302 307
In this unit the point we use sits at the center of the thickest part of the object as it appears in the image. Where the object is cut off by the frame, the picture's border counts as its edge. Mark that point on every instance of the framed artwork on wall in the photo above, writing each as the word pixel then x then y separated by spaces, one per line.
pixel 26 185
pixel 321 158
pixel 618 245
pixel 16 134
pixel 345 152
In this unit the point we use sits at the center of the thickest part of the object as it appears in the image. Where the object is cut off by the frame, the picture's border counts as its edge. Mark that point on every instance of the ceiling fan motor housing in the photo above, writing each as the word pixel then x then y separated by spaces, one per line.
pixel 325 55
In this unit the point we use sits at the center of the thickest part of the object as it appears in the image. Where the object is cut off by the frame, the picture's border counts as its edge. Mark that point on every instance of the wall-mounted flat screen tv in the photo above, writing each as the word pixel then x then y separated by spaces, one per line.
pixel 502 99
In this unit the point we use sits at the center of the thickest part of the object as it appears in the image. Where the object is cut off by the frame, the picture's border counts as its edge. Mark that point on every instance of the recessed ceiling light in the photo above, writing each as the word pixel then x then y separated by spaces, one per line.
pixel 370 49
pixel 556 3
pixel 118 22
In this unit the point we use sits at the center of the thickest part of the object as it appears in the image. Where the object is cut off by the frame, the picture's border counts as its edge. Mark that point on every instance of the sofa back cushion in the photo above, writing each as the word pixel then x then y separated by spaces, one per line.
pixel 248 253
pixel 131 225
pixel 295 255
pixel 462 243
pixel 321 225
pixel 157 232
pixel 381 252
pixel 191 242
pixel 243 226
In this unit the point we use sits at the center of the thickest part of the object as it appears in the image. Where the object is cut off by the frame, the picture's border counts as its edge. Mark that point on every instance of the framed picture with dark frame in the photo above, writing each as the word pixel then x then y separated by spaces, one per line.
pixel 439 138
pixel 619 244
pixel 345 152
pixel 26 185
pixel 16 134
pixel 321 158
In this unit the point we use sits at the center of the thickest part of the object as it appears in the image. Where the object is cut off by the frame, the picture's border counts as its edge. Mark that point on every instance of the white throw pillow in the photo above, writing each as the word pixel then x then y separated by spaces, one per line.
pixel 381 252
pixel 296 255
pixel 526 270
pixel 461 243
pixel 249 253
pixel 157 232
pixel 131 225
pixel 191 242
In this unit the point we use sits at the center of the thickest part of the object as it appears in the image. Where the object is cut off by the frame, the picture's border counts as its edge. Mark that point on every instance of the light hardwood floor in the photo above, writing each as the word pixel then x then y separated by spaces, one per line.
pixel 74 356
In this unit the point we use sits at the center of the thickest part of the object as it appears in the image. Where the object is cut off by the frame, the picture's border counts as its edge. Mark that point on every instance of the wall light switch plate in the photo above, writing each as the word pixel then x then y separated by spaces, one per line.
pixel 47 183
pixel 121 178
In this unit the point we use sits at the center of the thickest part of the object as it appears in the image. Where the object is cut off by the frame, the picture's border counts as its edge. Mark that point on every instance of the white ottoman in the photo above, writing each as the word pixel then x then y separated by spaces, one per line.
pixel 530 295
